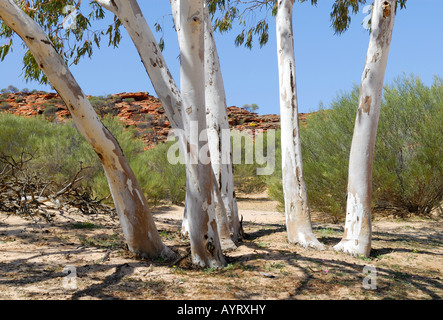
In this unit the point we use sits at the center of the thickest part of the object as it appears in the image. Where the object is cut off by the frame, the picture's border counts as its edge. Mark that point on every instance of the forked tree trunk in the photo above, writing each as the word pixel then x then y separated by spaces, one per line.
pixel 135 217
pixel 298 220
pixel 218 130
pixel 357 236
pixel 203 233
pixel 226 206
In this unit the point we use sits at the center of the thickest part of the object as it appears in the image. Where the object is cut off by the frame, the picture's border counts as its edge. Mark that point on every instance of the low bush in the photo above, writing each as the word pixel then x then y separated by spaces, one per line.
pixel 50 110
pixel 245 165
pixel 159 178
pixel 105 105
pixel 408 165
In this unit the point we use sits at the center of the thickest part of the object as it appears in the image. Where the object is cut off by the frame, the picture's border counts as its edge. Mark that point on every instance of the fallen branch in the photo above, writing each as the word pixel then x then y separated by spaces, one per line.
pixel 22 193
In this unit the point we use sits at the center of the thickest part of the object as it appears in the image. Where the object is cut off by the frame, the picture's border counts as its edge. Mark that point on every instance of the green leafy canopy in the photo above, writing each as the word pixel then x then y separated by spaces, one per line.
pixel 245 13
pixel 71 43
pixel 342 10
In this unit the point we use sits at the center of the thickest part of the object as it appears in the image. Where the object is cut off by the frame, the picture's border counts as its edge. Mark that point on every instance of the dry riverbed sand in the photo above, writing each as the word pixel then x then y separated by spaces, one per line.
pixel 77 256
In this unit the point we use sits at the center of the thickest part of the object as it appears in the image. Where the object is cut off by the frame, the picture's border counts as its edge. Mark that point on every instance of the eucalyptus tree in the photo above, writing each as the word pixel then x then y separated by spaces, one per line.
pixel 131 205
pixel 298 220
pixel 358 232
pixel 218 129
pixel 205 244
pixel 218 137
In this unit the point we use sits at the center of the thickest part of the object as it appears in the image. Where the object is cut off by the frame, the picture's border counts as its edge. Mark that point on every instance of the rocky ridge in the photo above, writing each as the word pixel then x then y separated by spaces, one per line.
pixel 139 110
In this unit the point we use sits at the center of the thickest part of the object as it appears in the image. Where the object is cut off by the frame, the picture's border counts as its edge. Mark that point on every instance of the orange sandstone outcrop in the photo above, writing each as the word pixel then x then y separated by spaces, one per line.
pixel 138 109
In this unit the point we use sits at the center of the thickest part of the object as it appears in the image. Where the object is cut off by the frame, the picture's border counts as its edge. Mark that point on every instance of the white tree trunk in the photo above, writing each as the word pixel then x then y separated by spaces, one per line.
pixel 217 124
pixel 298 220
pixel 357 236
pixel 135 217
pixel 227 219
pixel 203 232
pixel 175 8
pixel 224 232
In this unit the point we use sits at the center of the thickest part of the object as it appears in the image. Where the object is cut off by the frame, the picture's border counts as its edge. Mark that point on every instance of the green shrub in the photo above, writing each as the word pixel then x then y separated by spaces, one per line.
pixel 59 152
pixel 4 106
pixel 407 172
pixel 97 102
pixel 56 101
pixel 274 181
pixel 408 164
pixel 19 134
pixel 159 178
pixel 50 110
pixel 245 164
pixel 326 142
pixel 105 105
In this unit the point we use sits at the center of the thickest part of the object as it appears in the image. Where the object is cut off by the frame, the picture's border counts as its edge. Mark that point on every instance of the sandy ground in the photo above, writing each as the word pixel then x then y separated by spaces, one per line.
pixel 76 256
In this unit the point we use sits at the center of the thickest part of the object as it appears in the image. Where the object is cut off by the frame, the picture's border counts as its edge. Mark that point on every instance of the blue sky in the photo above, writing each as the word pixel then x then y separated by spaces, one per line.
pixel 326 64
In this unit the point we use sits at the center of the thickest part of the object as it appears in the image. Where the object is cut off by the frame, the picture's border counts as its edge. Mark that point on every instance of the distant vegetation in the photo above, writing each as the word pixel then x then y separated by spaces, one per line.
pixel 9 89
pixel 251 107
pixel 13 89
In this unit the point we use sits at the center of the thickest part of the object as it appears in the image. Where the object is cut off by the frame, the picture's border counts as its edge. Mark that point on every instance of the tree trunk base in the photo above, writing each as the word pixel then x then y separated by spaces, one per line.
pixel 307 241
pixel 208 262
pixel 166 253
pixel 353 247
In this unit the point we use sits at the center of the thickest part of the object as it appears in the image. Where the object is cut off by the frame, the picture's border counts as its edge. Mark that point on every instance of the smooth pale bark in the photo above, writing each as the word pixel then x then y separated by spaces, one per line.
pixel 175 8
pixel 223 225
pixel 205 242
pixel 227 219
pixel 357 236
pixel 298 220
pixel 132 208
pixel 217 124
pixel 224 231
